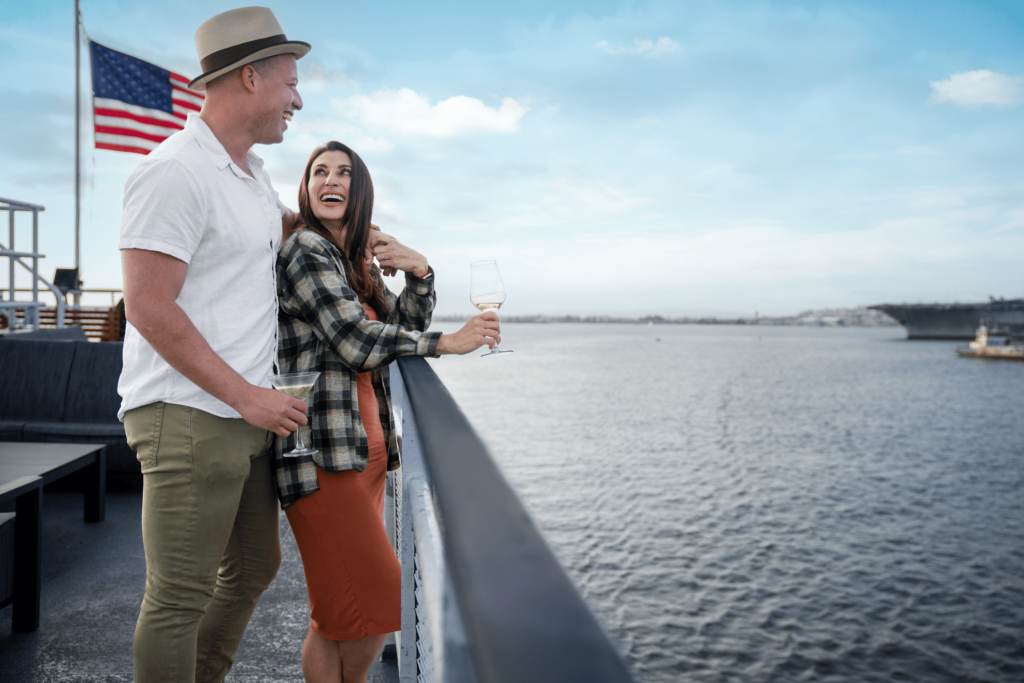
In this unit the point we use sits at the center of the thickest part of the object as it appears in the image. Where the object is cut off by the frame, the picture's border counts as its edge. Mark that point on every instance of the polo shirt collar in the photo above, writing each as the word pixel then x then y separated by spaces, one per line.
pixel 209 143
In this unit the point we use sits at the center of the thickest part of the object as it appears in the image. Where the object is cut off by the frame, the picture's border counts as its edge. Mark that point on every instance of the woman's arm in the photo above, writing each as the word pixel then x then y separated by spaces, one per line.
pixel 413 307
pixel 315 289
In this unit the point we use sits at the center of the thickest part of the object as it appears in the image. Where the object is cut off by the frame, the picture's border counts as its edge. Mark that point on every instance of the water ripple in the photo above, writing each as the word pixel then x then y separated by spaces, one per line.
pixel 770 504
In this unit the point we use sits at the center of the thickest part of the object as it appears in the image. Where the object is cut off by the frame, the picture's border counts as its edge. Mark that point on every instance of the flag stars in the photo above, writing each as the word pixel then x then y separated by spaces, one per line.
pixel 130 80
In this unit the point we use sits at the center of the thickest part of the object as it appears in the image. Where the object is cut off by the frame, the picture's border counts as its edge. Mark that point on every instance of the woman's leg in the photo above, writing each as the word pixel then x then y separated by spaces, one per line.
pixel 324 660
pixel 357 656
pixel 321 659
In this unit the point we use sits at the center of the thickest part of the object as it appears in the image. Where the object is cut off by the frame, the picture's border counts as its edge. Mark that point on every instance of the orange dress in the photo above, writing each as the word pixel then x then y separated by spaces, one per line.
pixel 353 578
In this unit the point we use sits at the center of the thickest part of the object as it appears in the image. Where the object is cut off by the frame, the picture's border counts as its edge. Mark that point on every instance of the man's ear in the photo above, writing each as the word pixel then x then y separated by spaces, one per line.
pixel 249 77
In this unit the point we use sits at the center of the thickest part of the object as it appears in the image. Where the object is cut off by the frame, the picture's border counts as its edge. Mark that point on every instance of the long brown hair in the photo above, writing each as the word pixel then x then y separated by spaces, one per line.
pixel 358 212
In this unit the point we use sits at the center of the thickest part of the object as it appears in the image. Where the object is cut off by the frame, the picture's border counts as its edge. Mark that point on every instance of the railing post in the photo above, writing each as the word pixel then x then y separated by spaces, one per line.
pixel 430 563
pixel 35 267
pixel 10 261
pixel 404 541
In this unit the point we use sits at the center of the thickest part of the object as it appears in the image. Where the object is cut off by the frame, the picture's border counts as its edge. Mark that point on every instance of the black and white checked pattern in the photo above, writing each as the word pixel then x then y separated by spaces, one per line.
pixel 322 326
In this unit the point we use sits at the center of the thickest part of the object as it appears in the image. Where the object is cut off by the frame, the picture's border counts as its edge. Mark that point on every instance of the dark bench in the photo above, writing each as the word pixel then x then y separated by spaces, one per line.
pixel 66 392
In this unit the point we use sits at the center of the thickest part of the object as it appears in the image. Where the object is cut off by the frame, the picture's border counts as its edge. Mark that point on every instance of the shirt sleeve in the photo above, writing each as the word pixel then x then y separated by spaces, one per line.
pixel 414 306
pixel 164 210
pixel 315 290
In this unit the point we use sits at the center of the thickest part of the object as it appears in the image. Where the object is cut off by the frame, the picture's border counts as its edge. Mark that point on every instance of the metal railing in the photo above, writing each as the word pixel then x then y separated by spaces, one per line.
pixel 111 292
pixel 484 600
pixel 9 305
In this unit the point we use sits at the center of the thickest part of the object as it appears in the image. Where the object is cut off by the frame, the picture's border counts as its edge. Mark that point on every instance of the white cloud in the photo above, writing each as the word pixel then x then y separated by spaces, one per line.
pixel 314 76
pixel 741 267
pixel 982 88
pixel 309 134
pixel 642 46
pixel 404 111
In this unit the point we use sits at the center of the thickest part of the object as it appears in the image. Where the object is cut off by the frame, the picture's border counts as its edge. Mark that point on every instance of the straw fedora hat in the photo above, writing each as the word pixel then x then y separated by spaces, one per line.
pixel 239 37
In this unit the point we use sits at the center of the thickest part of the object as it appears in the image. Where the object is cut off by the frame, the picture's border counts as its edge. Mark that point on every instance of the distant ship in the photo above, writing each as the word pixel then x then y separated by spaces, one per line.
pixel 956 321
pixel 980 348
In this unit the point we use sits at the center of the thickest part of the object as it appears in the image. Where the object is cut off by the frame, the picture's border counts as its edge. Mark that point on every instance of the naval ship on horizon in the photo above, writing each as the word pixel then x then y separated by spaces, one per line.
pixel 956 321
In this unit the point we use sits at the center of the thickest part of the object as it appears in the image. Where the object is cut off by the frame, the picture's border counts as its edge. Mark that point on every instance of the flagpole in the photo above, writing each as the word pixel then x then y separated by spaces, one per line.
pixel 78 154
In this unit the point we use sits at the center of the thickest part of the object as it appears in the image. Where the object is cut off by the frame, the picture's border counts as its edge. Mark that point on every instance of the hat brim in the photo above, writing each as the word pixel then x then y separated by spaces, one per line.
pixel 294 47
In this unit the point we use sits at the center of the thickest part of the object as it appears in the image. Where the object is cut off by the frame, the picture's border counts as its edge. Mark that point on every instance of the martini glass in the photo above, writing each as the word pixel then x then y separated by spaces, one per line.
pixel 487 292
pixel 297 384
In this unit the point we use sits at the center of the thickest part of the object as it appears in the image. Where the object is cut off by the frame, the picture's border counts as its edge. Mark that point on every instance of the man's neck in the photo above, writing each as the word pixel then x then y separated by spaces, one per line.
pixel 235 138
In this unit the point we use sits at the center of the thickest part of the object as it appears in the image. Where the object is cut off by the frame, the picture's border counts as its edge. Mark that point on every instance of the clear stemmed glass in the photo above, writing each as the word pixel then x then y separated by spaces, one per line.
pixel 297 384
pixel 487 291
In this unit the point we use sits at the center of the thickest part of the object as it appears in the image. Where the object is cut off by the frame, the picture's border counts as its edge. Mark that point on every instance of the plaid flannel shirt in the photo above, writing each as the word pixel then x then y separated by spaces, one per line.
pixel 323 327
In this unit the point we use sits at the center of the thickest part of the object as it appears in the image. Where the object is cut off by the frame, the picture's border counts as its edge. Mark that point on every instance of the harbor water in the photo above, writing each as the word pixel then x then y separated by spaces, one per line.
pixel 745 503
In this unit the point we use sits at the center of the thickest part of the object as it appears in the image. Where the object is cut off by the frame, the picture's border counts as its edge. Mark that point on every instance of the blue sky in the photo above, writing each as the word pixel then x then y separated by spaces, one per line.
pixel 614 157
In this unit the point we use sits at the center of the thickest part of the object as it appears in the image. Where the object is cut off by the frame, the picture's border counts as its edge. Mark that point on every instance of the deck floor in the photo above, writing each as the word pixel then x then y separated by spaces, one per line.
pixel 93 580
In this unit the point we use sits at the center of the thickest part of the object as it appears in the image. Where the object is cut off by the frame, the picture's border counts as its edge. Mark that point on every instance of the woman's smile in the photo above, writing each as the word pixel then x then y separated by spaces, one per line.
pixel 330 179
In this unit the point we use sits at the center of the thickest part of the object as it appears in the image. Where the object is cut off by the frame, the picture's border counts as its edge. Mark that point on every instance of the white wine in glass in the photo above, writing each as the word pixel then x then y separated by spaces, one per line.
pixel 487 292
pixel 297 384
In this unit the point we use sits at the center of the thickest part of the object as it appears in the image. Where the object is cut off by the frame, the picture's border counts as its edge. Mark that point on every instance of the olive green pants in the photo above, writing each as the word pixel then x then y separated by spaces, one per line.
pixel 210 529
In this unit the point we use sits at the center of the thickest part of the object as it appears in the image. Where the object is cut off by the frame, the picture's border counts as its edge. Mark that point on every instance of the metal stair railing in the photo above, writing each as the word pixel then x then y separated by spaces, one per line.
pixel 9 305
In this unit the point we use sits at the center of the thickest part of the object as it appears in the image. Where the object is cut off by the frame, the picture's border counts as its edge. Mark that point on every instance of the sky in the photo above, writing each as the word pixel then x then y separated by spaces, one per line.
pixel 619 158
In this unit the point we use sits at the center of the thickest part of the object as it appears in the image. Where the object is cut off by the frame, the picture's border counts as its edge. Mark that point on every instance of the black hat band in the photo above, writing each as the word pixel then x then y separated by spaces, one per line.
pixel 229 55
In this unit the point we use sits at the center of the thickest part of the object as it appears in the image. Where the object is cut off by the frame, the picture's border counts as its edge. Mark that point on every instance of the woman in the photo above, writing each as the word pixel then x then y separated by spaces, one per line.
pixel 338 318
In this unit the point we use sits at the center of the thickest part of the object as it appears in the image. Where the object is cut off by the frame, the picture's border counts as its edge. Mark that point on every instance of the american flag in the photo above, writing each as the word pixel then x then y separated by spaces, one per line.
pixel 136 105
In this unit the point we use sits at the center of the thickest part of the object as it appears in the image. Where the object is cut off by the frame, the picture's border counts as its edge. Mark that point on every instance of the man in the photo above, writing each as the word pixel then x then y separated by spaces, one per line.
pixel 199 238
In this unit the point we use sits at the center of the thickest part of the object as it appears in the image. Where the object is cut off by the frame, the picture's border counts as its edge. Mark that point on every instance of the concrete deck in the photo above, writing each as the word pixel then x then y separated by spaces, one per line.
pixel 93 580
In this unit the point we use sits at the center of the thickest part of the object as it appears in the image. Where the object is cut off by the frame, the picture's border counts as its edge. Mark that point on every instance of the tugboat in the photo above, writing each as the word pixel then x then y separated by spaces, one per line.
pixel 979 348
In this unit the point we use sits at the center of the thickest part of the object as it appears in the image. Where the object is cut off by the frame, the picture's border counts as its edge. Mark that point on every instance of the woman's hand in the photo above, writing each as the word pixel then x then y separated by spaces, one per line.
pixel 394 256
pixel 479 330
pixel 375 236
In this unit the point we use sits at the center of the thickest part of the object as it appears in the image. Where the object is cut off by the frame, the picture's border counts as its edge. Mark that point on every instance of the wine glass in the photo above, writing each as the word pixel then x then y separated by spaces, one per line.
pixel 297 384
pixel 487 292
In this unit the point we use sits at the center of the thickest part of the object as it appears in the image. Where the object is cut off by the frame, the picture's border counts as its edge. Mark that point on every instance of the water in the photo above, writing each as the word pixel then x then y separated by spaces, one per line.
pixel 770 503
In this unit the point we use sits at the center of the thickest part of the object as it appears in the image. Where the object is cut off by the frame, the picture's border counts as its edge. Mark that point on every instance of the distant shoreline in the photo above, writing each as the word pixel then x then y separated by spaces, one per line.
pixel 832 317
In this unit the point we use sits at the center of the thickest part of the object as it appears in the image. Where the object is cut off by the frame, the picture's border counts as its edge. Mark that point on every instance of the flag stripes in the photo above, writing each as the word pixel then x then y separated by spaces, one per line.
pixel 136 105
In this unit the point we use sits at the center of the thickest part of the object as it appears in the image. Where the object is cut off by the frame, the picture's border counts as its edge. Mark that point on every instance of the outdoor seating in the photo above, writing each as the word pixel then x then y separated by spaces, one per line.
pixel 66 392
pixel 24 575
pixel 24 469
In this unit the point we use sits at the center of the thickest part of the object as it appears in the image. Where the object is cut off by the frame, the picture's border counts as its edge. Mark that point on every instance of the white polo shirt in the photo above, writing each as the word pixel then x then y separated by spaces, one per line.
pixel 189 200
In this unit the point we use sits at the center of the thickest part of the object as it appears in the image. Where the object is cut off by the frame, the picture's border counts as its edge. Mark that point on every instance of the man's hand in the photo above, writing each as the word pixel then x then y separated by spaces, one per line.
pixel 272 410
pixel 479 330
